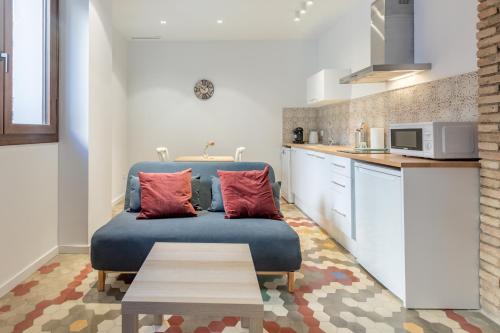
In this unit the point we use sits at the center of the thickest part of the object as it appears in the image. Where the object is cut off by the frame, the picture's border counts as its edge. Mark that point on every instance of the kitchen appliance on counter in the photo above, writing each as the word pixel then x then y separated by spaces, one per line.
pixel 435 140
pixel 313 137
pixel 298 135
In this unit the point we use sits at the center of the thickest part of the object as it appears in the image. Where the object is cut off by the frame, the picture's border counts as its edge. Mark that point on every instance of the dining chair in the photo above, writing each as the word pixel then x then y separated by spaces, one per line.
pixel 163 154
pixel 238 157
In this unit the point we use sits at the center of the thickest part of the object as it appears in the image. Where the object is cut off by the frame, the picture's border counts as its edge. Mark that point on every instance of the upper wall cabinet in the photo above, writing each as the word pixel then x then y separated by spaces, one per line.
pixel 324 88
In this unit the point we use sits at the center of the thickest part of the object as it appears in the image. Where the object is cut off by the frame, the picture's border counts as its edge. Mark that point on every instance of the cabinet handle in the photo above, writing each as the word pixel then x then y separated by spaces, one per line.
pixel 320 157
pixel 338 184
pixel 339 165
pixel 336 211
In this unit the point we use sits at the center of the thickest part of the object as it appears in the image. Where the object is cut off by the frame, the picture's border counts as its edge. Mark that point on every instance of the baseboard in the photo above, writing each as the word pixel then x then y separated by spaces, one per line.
pixel 74 249
pixel 27 271
pixel 490 316
pixel 118 199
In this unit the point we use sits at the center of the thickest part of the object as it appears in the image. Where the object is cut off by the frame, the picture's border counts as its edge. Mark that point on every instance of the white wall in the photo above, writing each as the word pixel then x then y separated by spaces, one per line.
pixel 73 123
pixel 100 114
pixel 253 82
pixel 444 36
pixel 120 164
pixel 28 217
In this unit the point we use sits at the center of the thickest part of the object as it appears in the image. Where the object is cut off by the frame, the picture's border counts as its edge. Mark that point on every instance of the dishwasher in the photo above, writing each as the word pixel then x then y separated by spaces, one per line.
pixel 379 224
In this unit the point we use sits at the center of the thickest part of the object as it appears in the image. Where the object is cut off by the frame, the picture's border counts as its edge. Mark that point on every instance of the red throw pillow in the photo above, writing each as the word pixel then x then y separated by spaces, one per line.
pixel 166 195
pixel 248 194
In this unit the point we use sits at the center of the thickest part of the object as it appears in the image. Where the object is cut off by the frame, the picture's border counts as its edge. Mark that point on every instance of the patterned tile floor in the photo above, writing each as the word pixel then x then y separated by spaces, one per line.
pixel 334 294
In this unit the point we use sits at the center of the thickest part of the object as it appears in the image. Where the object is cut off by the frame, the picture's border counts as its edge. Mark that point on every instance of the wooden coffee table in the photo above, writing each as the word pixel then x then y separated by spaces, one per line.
pixel 195 279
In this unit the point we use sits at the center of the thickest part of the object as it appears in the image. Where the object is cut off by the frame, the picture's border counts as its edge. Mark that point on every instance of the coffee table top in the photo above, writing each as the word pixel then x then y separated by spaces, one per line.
pixel 187 274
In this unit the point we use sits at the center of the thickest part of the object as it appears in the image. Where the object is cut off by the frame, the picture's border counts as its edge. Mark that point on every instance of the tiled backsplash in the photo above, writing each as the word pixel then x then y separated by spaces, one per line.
pixel 450 99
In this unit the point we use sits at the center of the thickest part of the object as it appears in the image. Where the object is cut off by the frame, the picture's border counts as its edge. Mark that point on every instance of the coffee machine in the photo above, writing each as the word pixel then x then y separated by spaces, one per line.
pixel 298 135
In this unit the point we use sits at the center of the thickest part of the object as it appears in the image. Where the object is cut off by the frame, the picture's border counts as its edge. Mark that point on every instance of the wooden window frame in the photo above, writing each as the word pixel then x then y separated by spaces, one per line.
pixel 17 134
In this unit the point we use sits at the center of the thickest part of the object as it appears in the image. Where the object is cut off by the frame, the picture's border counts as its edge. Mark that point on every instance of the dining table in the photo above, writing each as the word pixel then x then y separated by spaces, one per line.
pixel 201 158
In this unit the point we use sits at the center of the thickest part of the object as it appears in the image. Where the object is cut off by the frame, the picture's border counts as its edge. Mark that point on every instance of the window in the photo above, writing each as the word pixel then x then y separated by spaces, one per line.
pixel 29 71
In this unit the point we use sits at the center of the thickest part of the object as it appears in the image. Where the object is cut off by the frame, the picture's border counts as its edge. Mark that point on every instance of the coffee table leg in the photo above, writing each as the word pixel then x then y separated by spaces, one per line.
pixel 130 323
pixel 158 320
pixel 245 322
pixel 256 325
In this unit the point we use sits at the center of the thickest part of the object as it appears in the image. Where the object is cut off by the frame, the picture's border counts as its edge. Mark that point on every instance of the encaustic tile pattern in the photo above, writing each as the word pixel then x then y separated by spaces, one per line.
pixel 333 295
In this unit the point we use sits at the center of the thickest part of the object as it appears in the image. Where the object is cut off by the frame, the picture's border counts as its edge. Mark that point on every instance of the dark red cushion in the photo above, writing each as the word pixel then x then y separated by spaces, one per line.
pixel 248 194
pixel 166 195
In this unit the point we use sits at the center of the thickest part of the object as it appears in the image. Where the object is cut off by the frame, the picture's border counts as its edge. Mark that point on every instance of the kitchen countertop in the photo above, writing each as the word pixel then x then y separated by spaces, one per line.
pixel 392 160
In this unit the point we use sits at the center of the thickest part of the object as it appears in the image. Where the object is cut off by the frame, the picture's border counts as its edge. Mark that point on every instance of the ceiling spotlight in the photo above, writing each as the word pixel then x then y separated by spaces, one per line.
pixel 297 17
pixel 303 9
pixel 309 3
pixel 163 22
pixel 220 21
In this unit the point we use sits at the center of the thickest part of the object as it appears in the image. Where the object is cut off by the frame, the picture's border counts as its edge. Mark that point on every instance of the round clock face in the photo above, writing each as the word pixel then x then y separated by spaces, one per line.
pixel 204 89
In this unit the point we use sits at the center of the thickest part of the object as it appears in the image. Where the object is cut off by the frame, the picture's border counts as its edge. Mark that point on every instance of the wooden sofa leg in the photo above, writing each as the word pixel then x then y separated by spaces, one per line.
pixel 101 281
pixel 291 282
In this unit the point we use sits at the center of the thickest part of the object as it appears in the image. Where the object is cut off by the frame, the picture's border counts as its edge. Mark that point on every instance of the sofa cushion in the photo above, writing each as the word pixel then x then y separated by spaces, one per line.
pixel 135 193
pixel 166 195
pixel 248 194
pixel 204 169
pixel 217 204
pixel 217 201
pixel 123 244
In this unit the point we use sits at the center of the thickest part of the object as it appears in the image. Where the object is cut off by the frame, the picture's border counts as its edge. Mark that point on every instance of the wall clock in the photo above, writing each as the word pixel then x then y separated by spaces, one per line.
pixel 204 89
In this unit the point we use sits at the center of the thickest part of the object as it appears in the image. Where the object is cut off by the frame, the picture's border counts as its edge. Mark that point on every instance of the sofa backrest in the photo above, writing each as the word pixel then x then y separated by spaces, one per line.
pixel 204 169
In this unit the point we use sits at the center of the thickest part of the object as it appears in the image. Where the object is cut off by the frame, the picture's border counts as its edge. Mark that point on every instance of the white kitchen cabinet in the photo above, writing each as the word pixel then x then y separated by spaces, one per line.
pixel 308 170
pixel 339 220
pixel 322 187
pixel 300 178
pixel 286 174
pixel 417 233
pixel 324 87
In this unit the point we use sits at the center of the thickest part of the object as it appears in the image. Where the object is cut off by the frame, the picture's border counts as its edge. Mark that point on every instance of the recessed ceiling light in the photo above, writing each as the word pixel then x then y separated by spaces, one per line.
pixel 303 9
pixel 297 16
pixel 220 21
pixel 309 2
pixel 163 22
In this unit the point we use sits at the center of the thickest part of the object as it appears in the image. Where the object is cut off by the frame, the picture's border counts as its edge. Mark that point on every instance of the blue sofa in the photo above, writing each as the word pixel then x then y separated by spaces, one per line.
pixel 123 244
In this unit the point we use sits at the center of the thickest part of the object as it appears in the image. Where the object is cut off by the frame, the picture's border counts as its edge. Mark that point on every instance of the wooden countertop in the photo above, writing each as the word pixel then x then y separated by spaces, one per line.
pixel 392 160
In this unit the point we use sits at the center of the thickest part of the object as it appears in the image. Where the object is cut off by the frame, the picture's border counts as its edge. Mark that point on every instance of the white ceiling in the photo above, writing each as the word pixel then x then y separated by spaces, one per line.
pixel 243 19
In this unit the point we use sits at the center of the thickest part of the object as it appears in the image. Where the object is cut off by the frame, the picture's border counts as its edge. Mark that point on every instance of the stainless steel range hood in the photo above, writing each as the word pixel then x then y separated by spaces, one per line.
pixel 392 44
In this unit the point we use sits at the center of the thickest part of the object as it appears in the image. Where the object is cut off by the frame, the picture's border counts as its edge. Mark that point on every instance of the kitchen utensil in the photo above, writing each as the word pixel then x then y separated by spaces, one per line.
pixel 313 137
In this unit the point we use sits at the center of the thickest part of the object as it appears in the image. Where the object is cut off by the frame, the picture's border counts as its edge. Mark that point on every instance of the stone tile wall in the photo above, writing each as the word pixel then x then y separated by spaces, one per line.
pixel 307 118
pixel 450 99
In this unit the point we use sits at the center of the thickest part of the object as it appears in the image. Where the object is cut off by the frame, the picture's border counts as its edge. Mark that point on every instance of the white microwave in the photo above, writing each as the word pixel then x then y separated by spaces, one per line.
pixel 435 140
